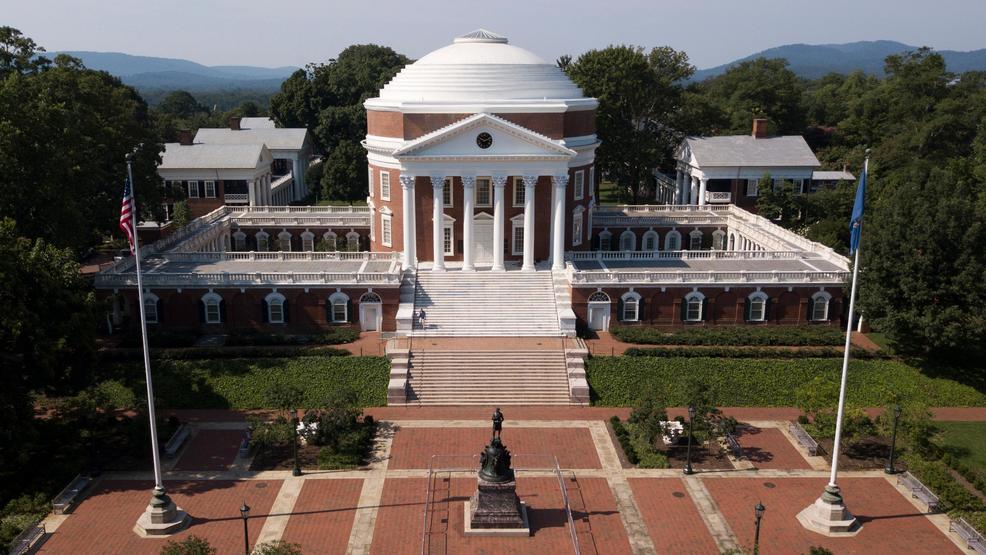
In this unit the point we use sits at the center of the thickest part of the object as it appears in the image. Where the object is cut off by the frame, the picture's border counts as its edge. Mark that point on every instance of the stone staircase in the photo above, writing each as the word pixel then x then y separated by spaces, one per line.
pixel 485 304
pixel 503 377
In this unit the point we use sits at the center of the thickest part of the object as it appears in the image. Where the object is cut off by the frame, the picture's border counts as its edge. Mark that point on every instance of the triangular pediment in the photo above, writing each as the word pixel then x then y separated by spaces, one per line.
pixel 462 139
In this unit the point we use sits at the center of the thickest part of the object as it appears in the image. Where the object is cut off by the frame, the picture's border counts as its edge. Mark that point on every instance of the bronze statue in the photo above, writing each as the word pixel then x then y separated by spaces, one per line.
pixel 497 423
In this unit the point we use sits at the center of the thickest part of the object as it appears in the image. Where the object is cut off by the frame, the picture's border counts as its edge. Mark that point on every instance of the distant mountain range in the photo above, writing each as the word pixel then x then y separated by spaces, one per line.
pixel 815 60
pixel 150 73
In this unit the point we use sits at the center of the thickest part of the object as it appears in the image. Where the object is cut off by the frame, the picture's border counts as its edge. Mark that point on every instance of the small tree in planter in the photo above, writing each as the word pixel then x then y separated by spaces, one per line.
pixel 340 429
pixel 192 545
pixel 279 547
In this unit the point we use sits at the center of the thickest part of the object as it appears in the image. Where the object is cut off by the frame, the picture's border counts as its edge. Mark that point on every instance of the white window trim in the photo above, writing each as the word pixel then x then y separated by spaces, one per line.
pixel 600 301
pixel 330 235
pixel 308 241
pixel 217 299
pixel 518 187
pixel 239 240
pixel 281 238
pixel 338 298
pixel 384 185
pixel 263 235
pixel 578 190
pixel 578 228
pixel 605 235
pixel 192 186
pixel 210 185
pixel 515 248
pixel 477 187
pixel 657 241
pixel 447 186
pixel 752 187
pixel 695 295
pixel 386 230
pixel 369 173
pixel 628 299
pixel 450 251
pixel 824 296
pixel 692 236
pixel 628 234
pixel 350 237
pixel 720 236
pixel 150 299
pixel 270 300
pixel 672 235
pixel 762 297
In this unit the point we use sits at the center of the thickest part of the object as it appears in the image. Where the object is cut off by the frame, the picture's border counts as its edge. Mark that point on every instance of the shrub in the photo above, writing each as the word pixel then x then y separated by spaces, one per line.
pixel 751 352
pixel 20 513
pixel 279 547
pixel 623 436
pixel 637 448
pixel 618 381
pixel 192 545
pixel 113 394
pixel 732 335
pixel 161 338
pixel 333 336
pixel 199 353
pixel 935 475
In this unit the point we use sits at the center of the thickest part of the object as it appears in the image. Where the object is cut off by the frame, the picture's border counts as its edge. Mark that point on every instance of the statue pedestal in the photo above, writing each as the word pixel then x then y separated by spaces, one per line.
pixel 495 510
pixel 829 516
pixel 161 517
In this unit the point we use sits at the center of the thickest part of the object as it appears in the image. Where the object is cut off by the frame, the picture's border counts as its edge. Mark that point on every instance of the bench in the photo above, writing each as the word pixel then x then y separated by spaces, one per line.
pixel 28 539
pixel 177 439
pixel 734 446
pixel 919 491
pixel 245 447
pixel 68 496
pixel 804 438
pixel 972 538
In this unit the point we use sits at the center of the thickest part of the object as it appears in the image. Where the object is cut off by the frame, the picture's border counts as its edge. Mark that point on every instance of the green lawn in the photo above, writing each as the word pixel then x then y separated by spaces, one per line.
pixel 881 340
pixel 966 441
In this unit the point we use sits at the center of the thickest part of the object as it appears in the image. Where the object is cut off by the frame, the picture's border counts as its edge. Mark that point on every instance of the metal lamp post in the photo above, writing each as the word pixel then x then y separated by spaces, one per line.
pixel 758 510
pixel 245 514
pixel 893 443
pixel 688 455
pixel 296 471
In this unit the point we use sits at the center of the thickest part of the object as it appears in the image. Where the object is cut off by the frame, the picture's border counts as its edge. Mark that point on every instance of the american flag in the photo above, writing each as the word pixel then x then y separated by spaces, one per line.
pixel 126 214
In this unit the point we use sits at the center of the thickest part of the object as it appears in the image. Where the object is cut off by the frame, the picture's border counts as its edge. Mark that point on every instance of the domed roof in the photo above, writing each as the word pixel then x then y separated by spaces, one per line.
pixel 479 67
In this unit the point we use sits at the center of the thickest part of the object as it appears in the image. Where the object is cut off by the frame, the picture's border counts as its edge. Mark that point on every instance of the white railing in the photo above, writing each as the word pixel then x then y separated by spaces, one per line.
pixel 311 256
pixel 165 279
pixel 236 198
pixel 304 210
pixel 708 277
pixel 303 220
pixel 688 255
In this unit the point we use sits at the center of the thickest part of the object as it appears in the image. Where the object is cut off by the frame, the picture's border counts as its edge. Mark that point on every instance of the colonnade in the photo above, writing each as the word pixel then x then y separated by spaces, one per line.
pixel 690 189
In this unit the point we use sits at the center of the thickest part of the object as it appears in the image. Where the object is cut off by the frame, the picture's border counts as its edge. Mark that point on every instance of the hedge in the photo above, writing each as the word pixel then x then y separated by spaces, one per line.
pixel 241 383
pixel 620 381
pixel 750 352
pixel 732 335
pixel 198 353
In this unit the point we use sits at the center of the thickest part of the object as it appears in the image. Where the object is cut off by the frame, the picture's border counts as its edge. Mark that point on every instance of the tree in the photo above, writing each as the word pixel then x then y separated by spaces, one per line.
pixel 19 54
pixel 192 545
pixel 181 104
pixel 342 179
pixel 639 95
pixel 759 88
pixel 279 547
pixel 181 216
pixel 777 201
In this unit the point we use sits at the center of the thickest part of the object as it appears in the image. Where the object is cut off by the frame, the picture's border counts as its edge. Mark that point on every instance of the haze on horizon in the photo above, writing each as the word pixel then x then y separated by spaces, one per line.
pixel 296 32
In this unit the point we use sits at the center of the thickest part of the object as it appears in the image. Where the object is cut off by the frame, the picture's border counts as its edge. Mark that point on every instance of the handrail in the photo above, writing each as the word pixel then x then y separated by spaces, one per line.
pixel 568 508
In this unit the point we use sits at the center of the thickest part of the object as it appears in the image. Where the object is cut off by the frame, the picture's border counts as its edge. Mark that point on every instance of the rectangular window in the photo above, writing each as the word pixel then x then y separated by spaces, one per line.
pixel 695 242
pixel 447 241
pixel 579 189
pixel 577 229
pixel 369 174
pixel 212 314
pixel 210 189
pixel 819 310
pixel 193 189
pixel 756 310
pixel 518 246
pixel 262 243
pixel 150 311
pixel 385 185
pixel 483 191
pixel 630 310
pixel 605 242
pixel 307 243
pixel 518 191
pixel 338 312
pixel 751 187
pixel 447 192
pixel 385 230
pixel 694 312
pixel 276 312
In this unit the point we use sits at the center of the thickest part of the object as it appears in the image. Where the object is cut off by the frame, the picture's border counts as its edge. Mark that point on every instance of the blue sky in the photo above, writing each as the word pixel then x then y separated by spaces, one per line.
pixel 295 32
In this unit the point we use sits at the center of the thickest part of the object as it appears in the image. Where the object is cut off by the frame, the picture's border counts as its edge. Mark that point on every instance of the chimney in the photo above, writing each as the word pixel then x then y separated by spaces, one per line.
pixel 185 137
pixel 759 128
pixel 234 123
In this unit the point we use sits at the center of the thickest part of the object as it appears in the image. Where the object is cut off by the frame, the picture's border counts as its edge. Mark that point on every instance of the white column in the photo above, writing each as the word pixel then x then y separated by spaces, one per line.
pixel 498 216
pixel 693 191
pixel 558 233
pixel 407 215
pixel 300 188
pixel 252 192
pixel 679 178
pixel 468 196
pixel 551 225
pixel 438 217
pixel 529 182
pixel 701 191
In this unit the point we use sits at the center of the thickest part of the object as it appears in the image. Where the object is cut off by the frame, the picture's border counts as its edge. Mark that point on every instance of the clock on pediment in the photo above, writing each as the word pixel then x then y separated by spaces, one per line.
pixel 484 140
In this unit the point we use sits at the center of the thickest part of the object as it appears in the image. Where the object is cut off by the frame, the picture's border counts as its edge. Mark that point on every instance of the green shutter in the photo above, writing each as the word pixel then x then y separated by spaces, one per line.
pixel 160 311
pixel 766 310
pixel 747 309
pixel 705 310
pixel 201 311
pixel 619 309
pixel 684 310
pixel 284 310
pixel 263 311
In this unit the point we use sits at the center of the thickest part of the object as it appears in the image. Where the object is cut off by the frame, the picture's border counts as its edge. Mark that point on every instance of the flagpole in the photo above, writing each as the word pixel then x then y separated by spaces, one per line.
pixel 161 517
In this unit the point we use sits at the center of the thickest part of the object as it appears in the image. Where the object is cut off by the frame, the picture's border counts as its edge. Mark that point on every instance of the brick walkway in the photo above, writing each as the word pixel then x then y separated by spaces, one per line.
pixel 323 515
pixel 210 450
pixel 672 518
pixel 769 448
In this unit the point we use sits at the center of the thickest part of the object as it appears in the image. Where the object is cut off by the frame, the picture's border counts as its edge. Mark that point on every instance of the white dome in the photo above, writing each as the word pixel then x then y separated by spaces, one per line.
pixel 479 67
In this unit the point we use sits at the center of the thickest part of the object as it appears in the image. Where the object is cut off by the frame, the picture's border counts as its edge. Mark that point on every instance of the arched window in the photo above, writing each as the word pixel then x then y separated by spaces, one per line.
pixel 718 240
pixel 338 308
pixel 369 297
pixel 628 241
pixel 330 241
pixel 284 240
pixel 732 242
pixel 262 241
pixel 308 241
pixel 599 297
pixel 650 242
pixel 820 306
pixel 605 241
pixel 151 303
pixel 276 306
pixel 631 307
pixel 212 309
pixel 695 240
pixel 756 307
pixel 352 241
pixel 672 241
pixel 694 307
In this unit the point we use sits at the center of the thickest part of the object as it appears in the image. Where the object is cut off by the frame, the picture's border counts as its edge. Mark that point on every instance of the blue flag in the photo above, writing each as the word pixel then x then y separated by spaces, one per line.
pixel 856 221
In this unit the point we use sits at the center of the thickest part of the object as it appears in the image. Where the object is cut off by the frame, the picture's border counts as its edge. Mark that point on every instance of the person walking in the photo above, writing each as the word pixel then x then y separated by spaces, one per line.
pixel 422 319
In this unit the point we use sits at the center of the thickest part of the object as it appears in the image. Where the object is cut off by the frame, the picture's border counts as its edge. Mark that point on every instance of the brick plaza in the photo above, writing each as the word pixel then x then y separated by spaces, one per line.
pixel 396 506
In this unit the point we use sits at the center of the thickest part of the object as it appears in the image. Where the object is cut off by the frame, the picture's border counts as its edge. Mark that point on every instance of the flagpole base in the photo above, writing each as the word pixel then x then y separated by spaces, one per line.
pixel 161 517
pixel 829 516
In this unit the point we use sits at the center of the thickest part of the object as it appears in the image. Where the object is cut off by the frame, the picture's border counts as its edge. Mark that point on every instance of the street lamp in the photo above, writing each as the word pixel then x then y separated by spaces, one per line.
pixel 758 510
pixel 688 456
pixel 296 471
pixel 893 443
pixel 245 514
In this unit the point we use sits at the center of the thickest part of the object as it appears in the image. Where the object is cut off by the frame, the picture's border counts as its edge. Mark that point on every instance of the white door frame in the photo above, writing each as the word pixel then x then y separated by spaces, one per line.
pixel 599 307
pixel 366 307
